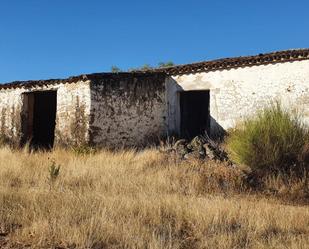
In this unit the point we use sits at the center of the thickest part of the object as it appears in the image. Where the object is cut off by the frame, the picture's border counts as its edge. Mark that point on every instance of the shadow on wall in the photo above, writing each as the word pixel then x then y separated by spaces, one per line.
pixel 217 132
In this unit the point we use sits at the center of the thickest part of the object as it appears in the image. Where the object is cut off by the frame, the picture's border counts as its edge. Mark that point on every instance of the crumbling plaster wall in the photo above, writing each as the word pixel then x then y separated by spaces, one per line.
pixel 128 110
pixel 72 117
pixel 73 110
pixel 238 93
pixel 10 110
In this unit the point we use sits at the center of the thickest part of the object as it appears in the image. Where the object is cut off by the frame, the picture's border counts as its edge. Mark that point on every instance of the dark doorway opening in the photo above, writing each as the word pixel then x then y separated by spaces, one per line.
pixel 194 113
pixel 39 119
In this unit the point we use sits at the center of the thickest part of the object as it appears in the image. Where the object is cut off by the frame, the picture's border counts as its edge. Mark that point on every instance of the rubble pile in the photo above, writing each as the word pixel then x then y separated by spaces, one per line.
pixel 199 148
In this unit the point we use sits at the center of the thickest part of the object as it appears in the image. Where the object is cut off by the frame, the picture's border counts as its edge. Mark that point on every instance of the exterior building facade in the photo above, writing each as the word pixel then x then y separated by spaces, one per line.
pixel 131 109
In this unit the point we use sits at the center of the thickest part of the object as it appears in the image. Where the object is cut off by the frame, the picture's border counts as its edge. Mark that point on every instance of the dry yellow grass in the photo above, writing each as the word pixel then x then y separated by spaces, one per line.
pixel 136 200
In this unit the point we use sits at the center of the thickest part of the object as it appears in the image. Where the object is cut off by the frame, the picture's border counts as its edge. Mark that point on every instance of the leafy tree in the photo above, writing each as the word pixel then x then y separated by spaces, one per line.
pixel 115 69
pixel 146 67
pixel 166 64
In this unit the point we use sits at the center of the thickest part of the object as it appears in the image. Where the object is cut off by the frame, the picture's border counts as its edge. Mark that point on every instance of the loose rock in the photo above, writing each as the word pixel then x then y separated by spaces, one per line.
pixel 199 148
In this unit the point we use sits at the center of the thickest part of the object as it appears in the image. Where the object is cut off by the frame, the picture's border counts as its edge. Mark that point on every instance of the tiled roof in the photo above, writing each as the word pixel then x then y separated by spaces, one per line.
pixel 205 66
pixel 227 63
pixel 84 77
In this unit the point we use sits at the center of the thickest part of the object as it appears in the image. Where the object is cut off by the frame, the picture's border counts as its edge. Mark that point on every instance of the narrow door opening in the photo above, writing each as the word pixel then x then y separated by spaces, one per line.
pixel 194 113
pixel 39 119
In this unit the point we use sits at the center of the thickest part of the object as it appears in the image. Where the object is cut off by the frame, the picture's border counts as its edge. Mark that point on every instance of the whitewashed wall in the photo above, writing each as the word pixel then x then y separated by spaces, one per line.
pixel 10 110
pixel 72 117
pixel 237 93
pixel 73 111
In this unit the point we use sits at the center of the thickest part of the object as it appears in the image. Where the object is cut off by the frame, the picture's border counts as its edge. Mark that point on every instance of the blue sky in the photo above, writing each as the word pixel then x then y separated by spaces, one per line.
pixel 42 39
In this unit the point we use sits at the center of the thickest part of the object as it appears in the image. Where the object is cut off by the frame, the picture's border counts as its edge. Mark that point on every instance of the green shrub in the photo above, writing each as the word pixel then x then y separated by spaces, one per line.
pixel 83 150
pixel 273 141
pixel 54 171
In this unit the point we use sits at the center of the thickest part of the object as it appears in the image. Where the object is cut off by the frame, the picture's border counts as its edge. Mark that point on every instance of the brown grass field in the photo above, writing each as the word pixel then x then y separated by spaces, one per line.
pixel 130 199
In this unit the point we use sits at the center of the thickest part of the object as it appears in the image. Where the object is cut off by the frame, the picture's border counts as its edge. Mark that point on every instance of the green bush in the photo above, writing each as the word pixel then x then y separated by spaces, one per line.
pixel 54 171
pixel 273 141
pixel 83 150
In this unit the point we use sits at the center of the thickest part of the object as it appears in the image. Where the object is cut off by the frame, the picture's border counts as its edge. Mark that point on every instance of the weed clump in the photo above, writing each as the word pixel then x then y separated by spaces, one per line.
pixel 54 171
pixel 275 141
pixel 83 150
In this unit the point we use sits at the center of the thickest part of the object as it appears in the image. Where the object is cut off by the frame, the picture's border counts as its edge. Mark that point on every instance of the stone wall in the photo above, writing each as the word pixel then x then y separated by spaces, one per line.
pixel 72 117
pixel 237 93
pixel 127 109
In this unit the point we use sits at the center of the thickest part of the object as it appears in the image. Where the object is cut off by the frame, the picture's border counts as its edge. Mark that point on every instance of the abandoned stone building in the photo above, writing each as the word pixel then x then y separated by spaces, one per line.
pixel 129 109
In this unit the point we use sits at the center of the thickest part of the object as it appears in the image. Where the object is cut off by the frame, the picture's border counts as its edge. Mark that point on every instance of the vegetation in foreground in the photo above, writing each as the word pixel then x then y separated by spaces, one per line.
pixel 273 142
pixel 146 199
pixel 163 198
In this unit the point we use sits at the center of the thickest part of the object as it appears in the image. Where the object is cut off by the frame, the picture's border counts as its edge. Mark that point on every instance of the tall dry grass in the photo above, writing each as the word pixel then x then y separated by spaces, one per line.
pixel 131 199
